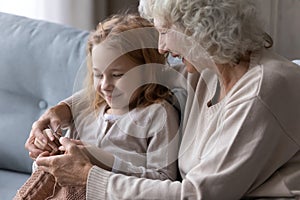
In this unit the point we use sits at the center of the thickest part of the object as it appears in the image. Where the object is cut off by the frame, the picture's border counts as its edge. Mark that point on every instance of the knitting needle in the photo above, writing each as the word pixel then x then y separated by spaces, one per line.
pixel 54 132
pixel 57 136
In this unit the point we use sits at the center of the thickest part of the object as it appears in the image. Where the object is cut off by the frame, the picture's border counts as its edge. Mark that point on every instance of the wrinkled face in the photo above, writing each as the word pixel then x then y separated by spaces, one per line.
pixel 110 80
pixel 173 40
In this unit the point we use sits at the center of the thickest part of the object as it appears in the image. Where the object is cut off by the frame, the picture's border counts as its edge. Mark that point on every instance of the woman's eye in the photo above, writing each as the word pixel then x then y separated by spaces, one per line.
pixel 163 31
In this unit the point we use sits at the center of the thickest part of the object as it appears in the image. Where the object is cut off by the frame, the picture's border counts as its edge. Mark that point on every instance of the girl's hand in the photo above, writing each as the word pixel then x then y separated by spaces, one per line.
pixel 51 145
pixel 55 117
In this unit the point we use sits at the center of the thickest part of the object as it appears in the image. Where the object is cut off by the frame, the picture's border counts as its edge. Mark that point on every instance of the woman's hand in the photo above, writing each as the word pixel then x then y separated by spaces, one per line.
pixel 96 155
pixel 40 141
pixel 71 168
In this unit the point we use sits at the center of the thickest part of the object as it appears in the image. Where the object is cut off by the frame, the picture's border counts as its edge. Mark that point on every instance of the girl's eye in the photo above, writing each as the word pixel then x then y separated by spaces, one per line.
pixel 117 75
pixel 99 76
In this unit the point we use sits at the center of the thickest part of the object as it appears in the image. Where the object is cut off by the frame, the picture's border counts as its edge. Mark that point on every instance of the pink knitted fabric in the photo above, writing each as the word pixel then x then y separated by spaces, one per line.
pixel 42 186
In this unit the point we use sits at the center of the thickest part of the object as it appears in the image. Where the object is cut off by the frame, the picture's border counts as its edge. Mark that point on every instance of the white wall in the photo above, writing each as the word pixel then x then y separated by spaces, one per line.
pixel 77 13
pixel 282 22
pixel 83 14
pixel 24 8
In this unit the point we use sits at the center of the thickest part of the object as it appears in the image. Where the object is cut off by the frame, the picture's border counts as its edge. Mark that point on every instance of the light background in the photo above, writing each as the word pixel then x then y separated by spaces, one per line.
pixel 281 17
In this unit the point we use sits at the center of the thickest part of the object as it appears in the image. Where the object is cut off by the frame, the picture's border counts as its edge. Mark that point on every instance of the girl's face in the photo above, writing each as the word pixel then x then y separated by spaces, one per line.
pixel 109 82
pixel 172 40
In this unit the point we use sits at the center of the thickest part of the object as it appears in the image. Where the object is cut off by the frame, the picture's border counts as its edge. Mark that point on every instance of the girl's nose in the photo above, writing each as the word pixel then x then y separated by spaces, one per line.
pixel 106 83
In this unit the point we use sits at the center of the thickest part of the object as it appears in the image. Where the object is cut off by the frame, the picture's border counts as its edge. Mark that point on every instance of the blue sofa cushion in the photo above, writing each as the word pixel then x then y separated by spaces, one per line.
pixel 9 183
pixel 38 64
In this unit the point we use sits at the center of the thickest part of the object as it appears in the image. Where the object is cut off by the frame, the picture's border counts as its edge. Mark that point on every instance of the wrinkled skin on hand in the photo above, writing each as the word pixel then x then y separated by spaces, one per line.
pixel 70 168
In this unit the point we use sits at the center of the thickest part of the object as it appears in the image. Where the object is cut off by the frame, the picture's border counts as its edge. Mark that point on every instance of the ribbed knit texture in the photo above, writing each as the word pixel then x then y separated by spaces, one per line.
pixel 97 183
pixel 42 186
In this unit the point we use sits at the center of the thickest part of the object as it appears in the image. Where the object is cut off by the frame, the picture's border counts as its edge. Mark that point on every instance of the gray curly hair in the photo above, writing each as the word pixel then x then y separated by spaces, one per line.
pixel 226 29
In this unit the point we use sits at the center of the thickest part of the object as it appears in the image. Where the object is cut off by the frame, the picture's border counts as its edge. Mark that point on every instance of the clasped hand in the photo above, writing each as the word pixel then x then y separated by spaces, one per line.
pixel 70 168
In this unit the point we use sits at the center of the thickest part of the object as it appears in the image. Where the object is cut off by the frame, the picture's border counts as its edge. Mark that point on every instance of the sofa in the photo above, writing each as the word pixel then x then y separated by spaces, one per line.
pixel 39 61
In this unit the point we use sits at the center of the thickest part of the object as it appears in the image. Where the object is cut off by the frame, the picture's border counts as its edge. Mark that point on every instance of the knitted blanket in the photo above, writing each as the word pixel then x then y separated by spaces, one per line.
pixel 42 186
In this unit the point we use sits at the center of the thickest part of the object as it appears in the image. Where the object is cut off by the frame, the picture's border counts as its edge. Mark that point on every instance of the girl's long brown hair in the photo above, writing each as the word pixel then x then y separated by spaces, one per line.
pixel 144 95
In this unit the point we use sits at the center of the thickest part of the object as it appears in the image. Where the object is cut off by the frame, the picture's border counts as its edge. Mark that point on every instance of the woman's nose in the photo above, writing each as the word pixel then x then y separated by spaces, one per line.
pixel 162 51
pixel 162 46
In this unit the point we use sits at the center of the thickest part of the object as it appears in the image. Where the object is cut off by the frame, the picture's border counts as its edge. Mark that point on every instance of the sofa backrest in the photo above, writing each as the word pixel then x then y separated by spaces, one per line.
pixel 38 64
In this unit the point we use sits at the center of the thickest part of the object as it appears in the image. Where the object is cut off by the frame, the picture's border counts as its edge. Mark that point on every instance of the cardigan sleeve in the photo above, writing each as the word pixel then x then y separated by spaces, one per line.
pixel 74 99
pixel 102 185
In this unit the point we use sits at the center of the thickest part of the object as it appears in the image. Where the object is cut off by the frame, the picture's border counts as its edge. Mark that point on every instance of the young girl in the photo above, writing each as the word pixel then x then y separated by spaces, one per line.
pixel 122 111
pixel 123 114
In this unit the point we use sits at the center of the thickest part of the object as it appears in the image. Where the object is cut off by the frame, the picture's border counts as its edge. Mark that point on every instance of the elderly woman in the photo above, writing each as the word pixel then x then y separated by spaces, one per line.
pixel 240 128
